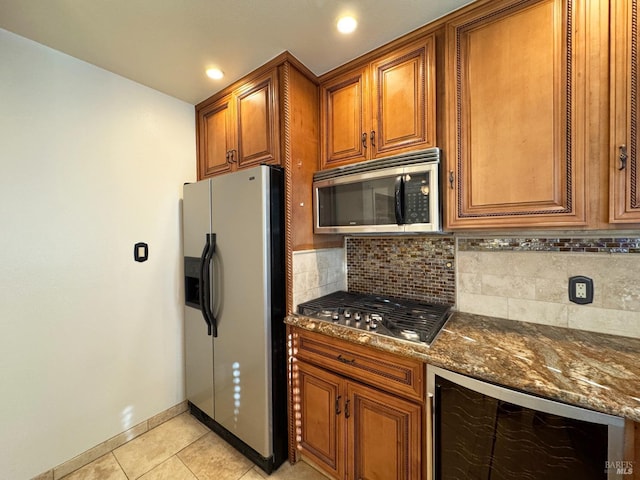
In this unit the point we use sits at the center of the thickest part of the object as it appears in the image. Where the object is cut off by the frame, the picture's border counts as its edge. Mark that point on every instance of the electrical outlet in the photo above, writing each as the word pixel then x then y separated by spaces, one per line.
pixel 581 290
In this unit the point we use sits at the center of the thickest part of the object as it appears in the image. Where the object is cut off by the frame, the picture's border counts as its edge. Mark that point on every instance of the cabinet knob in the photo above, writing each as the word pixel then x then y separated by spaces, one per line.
pixel 338 405
pixel 623 157
pixel 373 138
pixel 347 413
pixel 364 140
pixel 451 179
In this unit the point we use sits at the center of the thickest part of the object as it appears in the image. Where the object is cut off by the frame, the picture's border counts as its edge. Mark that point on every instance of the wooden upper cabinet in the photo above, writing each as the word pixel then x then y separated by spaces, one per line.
pixel 240 129
pixel 382 108
pixel 345 119
pixel 403 100
pixel 516 115
pixel 257 121
pixel 624 176
pixel 215 137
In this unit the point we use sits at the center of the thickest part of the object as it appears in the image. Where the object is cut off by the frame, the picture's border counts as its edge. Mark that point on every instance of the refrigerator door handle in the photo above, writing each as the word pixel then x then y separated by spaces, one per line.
pixel 207 312
pixel 212 287
pixel 203 283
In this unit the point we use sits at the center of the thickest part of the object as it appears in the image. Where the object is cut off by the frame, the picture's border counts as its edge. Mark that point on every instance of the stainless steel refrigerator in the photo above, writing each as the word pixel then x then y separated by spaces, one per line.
pixel 235 345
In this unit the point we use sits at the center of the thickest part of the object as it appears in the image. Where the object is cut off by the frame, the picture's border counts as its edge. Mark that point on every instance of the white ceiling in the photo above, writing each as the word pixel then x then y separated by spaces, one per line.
pixel 168 44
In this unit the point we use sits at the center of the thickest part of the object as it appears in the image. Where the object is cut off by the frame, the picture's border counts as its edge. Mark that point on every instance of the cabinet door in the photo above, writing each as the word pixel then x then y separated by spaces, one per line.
pixel 516 90
pixel 402 95
pixel 383 435
pixel 320 419
pixel 344 119
pixel 624 176
pixel 258 122
pixel 215 137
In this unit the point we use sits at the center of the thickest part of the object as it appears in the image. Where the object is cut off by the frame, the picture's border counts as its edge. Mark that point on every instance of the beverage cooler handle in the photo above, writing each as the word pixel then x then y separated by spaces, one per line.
pixel 399 196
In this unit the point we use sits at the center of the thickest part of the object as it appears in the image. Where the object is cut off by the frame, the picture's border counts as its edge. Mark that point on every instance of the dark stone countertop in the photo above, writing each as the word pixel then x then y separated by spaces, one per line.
pixel 590 370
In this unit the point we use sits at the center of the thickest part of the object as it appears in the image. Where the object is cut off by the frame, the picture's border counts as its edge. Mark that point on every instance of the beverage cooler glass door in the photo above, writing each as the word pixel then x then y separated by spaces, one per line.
pixel 484 431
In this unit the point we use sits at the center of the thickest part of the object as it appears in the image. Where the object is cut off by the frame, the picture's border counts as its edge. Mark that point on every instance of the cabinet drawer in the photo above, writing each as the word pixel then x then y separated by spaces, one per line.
pixel 395 374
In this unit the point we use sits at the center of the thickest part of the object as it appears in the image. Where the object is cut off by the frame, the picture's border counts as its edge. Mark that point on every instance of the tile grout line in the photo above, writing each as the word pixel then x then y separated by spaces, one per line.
pixel 174 454
pixel 185 465
pixel 187 446
pixel 119 465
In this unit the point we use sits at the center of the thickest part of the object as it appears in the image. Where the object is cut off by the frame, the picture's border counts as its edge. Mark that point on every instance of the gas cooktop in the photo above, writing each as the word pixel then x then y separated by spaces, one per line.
pixel 399 318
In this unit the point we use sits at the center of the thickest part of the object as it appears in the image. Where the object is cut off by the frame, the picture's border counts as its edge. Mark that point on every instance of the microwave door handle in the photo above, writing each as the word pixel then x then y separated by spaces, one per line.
pixel 399 196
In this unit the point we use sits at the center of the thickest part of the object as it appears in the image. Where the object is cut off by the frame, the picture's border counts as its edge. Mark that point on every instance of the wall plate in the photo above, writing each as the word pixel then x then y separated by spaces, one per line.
pixel 581 290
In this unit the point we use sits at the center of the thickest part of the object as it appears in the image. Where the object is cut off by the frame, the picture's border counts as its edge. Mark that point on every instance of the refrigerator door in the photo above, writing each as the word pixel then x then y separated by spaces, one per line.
pixel 242 364
pixel 198 344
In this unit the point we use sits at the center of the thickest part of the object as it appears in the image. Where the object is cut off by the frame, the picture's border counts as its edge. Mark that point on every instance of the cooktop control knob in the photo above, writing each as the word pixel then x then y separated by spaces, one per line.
pixel 375 319
pixel 335 316
pixel 347 314
pixel 357 316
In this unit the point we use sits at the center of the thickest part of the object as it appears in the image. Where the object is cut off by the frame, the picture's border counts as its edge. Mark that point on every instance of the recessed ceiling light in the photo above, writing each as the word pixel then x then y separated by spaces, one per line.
pixel 215 73
pixel 347 24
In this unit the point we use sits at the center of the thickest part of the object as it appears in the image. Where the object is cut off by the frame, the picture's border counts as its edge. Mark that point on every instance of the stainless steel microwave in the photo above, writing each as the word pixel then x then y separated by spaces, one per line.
pixel 396 194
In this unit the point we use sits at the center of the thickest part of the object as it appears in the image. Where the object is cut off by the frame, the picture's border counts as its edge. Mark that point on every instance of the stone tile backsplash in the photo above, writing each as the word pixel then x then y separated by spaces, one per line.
pixel 532 286
pixel 317 273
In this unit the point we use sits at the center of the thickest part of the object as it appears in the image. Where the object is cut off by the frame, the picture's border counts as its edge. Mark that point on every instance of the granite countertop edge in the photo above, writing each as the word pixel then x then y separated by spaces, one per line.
pixel 587 369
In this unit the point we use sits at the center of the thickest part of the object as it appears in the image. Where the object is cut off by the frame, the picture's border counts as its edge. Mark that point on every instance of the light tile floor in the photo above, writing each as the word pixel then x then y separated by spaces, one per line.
pixel 183 449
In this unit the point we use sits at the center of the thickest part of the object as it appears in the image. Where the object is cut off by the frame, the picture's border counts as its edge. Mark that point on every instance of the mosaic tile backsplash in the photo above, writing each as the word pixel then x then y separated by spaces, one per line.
pixel 557 244
pixel 418 268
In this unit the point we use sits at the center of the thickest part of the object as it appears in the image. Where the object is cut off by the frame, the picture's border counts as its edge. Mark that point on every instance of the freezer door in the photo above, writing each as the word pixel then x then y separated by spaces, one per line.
pixel 198 347
pixel 196 213
pixel 242 365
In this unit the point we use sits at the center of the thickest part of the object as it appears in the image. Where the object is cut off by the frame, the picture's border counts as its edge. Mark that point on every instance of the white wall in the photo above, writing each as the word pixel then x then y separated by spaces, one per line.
pixel 90 341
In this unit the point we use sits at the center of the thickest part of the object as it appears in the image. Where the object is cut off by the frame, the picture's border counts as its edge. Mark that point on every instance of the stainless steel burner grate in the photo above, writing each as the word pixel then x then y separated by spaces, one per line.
pixel 400 318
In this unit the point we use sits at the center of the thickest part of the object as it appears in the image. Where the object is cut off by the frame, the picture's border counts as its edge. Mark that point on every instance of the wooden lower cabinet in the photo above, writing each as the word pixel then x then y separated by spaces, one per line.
pixel 383 435
pixel 354 431
pixel 321 418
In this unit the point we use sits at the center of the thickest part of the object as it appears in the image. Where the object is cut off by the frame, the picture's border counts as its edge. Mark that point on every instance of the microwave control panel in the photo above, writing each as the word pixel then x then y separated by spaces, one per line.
pixel 416 198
